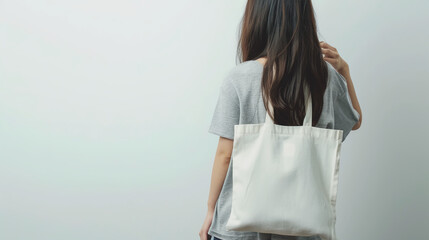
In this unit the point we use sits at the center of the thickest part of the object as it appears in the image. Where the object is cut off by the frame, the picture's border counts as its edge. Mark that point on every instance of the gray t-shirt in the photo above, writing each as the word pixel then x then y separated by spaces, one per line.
pixel 240 102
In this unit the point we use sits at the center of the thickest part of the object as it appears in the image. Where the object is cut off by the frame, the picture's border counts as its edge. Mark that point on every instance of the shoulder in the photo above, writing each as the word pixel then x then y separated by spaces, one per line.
pixel 336 81
pixel 242 74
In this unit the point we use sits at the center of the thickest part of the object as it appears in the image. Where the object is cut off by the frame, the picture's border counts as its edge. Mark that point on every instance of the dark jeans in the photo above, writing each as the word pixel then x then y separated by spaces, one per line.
pixel 314 237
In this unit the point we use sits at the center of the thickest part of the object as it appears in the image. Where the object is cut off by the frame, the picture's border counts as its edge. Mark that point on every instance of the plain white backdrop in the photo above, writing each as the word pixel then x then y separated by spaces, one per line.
pixel 105 107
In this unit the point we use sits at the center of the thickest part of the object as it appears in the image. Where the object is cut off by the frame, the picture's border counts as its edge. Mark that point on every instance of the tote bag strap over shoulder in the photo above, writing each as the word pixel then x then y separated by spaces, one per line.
pixel 308 110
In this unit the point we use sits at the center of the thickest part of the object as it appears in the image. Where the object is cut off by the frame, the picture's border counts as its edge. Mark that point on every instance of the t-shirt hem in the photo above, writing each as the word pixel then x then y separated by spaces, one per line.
pixel 220 133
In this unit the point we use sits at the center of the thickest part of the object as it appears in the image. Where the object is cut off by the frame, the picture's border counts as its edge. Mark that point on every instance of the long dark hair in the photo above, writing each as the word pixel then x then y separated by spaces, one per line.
pixel 284 31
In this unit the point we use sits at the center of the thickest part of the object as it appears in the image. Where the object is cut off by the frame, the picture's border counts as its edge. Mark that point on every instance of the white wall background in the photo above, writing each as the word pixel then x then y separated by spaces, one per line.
pixel 105 107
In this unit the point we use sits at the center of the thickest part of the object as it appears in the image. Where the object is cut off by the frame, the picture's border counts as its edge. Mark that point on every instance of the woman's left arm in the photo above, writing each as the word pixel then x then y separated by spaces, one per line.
pixel 225 116
pixel 220 168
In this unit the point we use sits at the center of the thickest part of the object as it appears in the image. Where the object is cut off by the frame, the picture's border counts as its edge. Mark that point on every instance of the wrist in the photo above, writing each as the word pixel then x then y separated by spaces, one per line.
pixel 344 70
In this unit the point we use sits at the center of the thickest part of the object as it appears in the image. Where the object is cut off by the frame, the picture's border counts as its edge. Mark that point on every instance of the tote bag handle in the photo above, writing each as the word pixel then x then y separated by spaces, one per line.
pixel 308 110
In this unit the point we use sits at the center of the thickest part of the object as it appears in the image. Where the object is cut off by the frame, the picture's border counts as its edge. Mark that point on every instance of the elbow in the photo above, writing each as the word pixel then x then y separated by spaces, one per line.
pixel 223 156
pixel 226 160
pixel 357 125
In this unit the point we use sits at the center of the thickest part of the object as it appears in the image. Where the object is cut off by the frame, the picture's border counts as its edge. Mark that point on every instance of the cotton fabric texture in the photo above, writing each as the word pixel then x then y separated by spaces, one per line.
pixel 240 102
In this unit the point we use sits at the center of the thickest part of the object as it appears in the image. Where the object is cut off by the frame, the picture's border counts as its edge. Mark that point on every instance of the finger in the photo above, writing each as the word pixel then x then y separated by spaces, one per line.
pixel 330 53
pixel 326 45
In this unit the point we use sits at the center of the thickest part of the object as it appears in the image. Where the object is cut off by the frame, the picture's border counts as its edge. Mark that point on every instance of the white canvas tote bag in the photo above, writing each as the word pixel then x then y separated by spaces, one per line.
pixel 285 178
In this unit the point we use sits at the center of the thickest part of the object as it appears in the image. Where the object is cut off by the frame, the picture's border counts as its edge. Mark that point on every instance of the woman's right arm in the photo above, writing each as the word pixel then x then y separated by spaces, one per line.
pixel 332 56
pixel 345 71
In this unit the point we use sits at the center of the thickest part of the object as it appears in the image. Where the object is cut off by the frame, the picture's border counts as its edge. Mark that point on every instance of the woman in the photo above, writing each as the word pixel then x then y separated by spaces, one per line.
pixel 280 33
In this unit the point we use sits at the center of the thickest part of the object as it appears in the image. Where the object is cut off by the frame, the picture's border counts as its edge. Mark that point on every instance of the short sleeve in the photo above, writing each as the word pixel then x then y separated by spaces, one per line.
pixel 227 110
pixel 345 116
